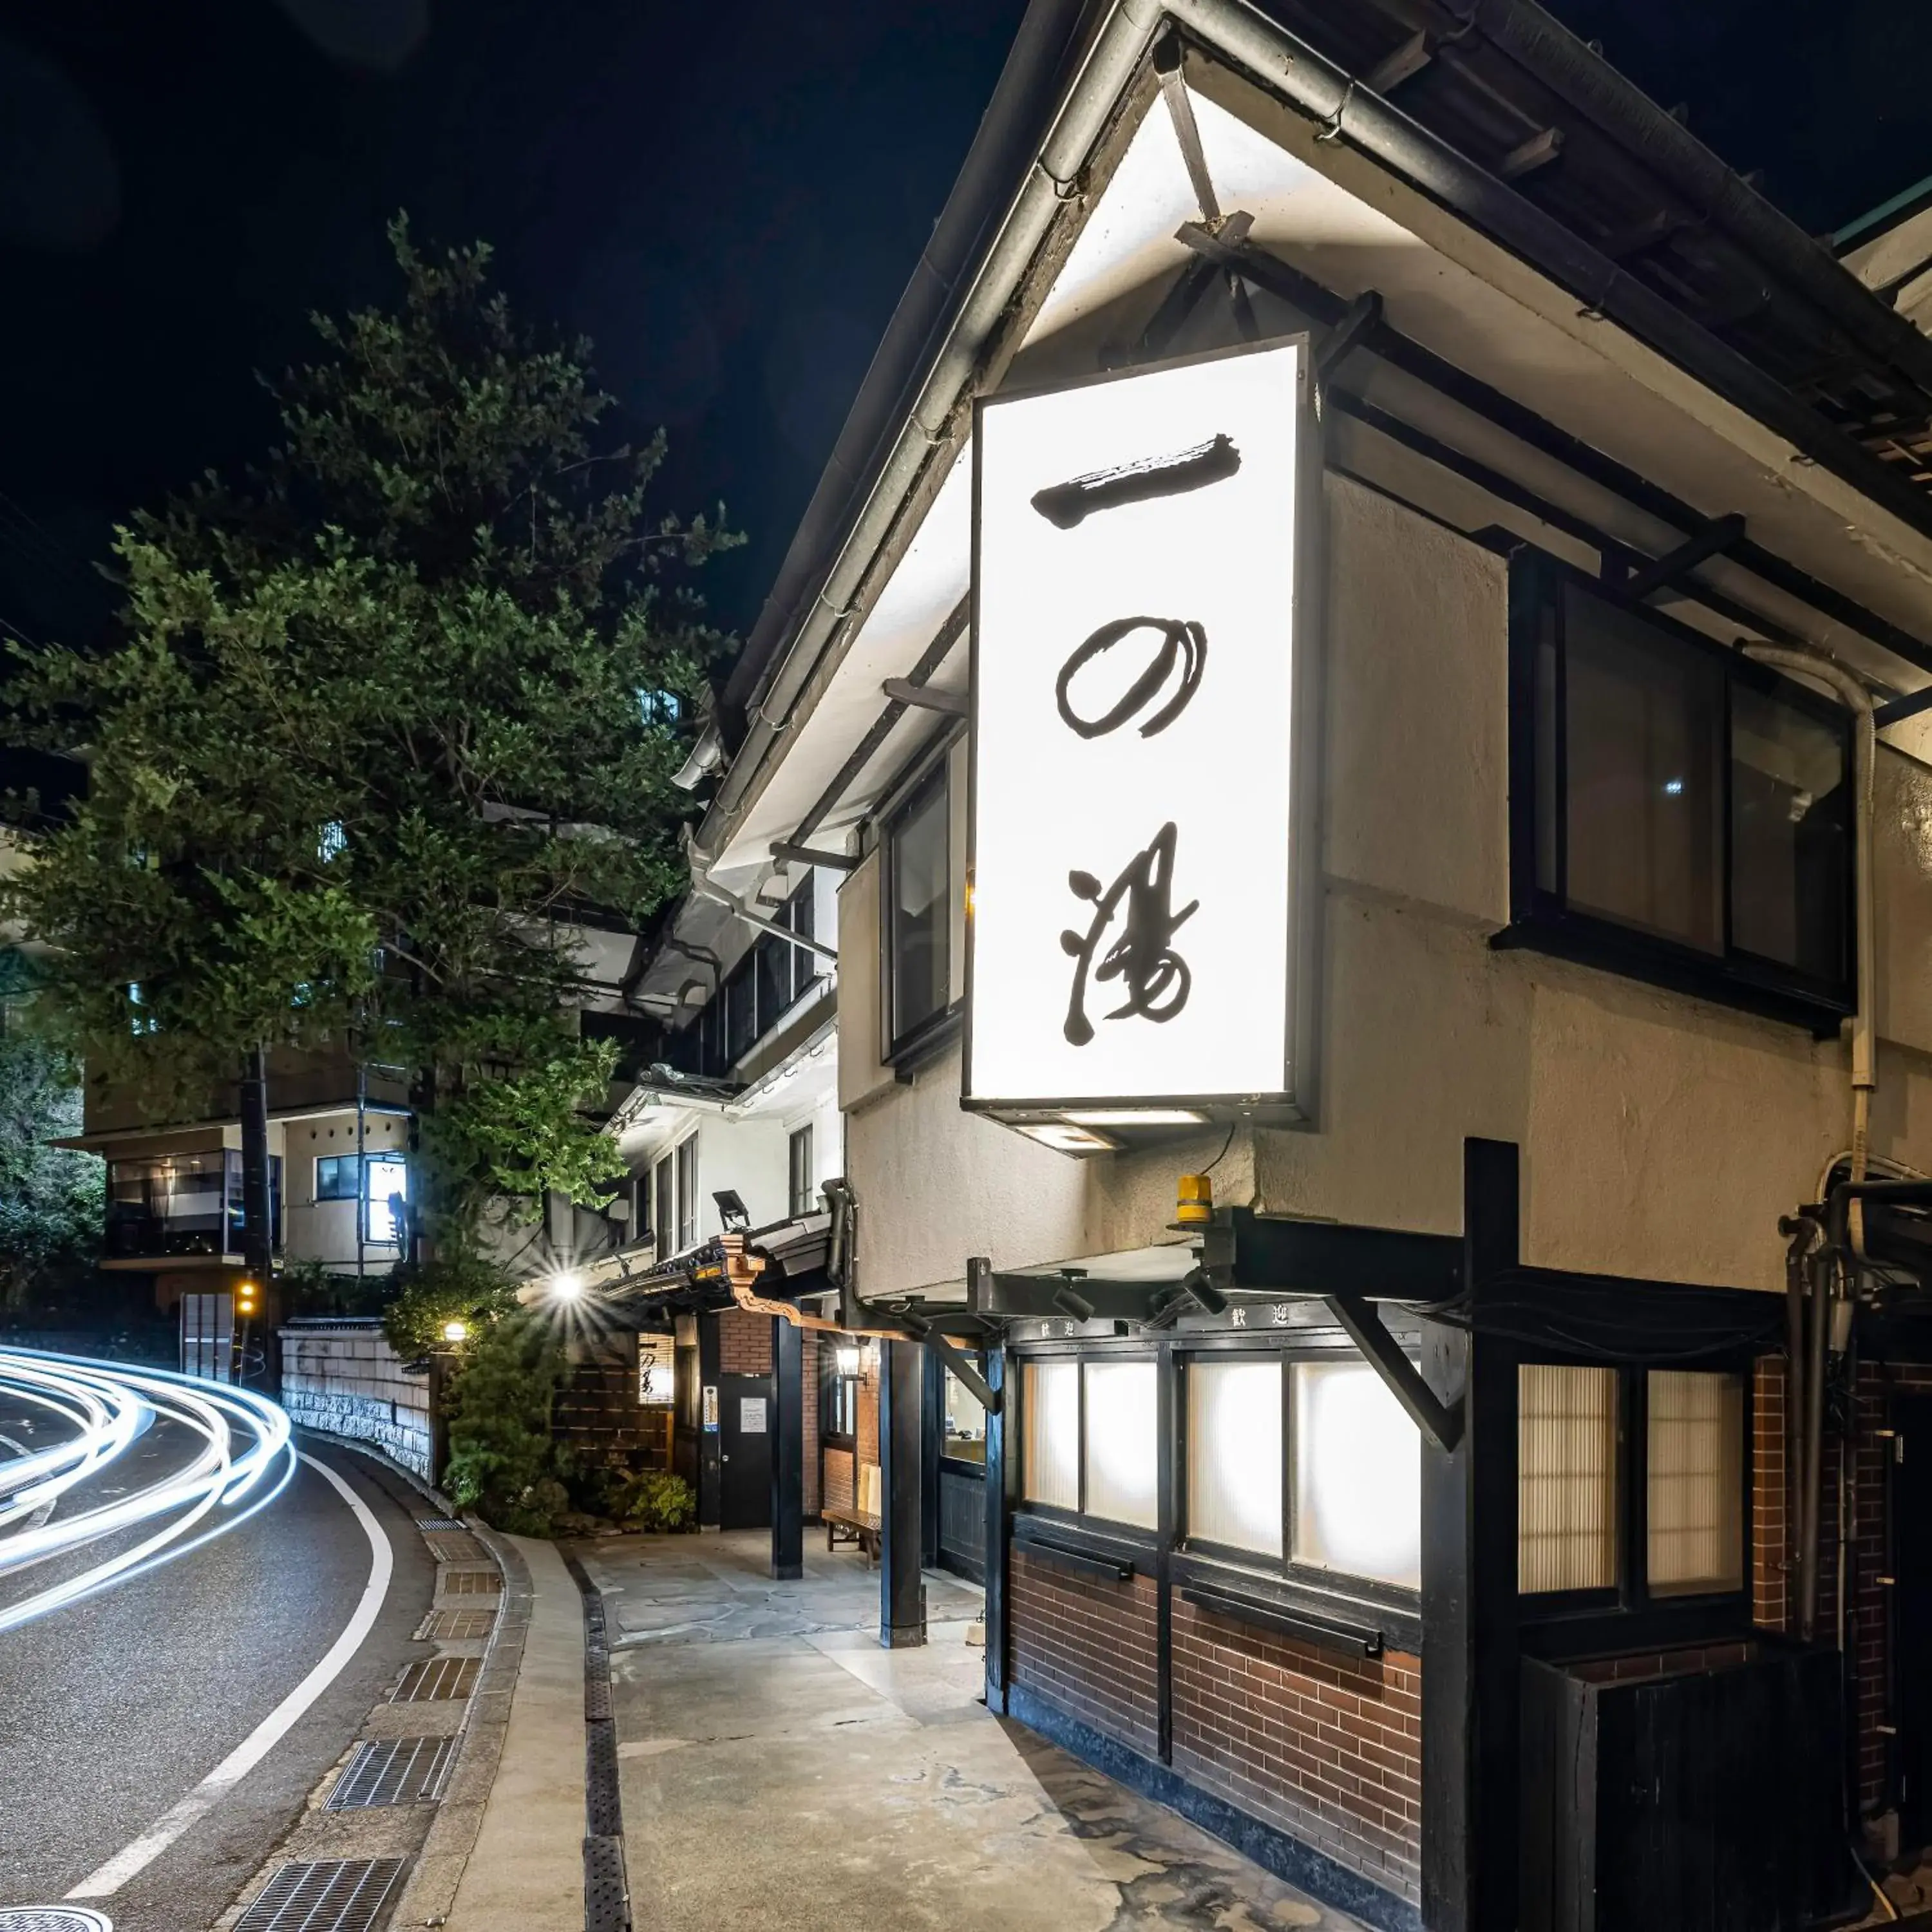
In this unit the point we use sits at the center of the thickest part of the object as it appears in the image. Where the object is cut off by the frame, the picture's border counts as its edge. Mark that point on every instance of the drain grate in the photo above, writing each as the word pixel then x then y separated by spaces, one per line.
pixel 394 1771
pixel 437 1677
pixel 52 1919
pixel 440 1522
pixel 457 1626
pixel 453 1547
pixel 471 1583
pixel 325 1895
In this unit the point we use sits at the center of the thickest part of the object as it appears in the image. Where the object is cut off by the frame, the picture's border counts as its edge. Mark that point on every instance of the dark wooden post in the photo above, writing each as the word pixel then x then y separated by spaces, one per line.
pixel 901 1540
pixel 258 1217
pixel 1000 1472
pixel 931 1435
pixel 787 1449
pixel 1470 1744
pixel 710 1447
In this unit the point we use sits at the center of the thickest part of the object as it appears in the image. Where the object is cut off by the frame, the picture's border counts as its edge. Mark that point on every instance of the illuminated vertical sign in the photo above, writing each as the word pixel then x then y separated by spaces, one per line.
pixel 1135 561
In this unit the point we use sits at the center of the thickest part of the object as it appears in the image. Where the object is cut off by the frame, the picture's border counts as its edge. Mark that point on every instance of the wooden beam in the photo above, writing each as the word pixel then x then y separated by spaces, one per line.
pixel 1441 1422
pixel 787 853
pixel 1526 157
pixel 1393 69
pixel 923 698
pixel 1720 534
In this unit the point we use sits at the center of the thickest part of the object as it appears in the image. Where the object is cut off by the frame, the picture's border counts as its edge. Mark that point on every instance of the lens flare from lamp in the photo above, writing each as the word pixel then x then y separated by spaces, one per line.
pixel 567 1286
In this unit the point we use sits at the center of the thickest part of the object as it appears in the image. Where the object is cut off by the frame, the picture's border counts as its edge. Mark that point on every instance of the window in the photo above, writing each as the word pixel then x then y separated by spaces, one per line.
pixel 1123 1443
pixel 1694 1502
pixel 839 1393
pixel 687 1192
pixel 800 1190
pixel 1566 1478
pixel 918 921
pixel 1050 1450
pixel 1234 1455
pixel 335 1177
pixel 1653 1510
pixel 1684 815
pixel 385 1192
pixel 664 1207
pixel 1357 1475
pixel 964 1421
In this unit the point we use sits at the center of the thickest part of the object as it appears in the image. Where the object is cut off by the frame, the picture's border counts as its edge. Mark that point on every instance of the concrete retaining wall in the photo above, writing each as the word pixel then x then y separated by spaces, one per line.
pixel 342 1377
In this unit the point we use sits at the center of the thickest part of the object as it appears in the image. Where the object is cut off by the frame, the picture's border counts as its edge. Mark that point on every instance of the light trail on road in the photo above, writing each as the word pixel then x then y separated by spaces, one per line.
pixel 243 1461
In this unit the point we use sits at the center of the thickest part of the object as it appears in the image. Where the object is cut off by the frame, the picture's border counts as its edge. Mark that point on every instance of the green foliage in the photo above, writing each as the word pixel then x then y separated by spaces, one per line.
pixel 52 1199
pixel 654 1499
pixel 393 714
pixel 307 1288
pixel 454 1287
pixel 501 1460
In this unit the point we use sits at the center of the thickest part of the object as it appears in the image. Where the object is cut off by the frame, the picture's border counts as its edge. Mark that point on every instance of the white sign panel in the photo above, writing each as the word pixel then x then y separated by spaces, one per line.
pixel 657 1370
pixel 751 1415
pixel 1134 583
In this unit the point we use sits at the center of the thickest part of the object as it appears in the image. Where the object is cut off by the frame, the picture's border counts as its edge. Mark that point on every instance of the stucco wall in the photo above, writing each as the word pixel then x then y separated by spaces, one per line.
pixel 1662 1135
pixel 344 1378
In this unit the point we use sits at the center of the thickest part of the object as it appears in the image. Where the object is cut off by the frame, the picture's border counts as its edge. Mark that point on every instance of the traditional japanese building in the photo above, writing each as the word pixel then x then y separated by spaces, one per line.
pixel 1362 665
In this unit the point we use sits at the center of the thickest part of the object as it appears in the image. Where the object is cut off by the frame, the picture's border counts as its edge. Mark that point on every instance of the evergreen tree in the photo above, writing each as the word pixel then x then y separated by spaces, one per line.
pixel 390 716
pixel 51 1199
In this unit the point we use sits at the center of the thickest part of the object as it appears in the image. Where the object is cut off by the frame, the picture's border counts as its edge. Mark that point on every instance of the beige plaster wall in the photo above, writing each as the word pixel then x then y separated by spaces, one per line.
pixel 1662 1136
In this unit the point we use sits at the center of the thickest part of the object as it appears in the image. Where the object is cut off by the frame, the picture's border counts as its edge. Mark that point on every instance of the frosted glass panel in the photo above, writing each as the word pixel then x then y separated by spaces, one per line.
pixel 1123 1443
pixel 1695 1504
pixel 1050 1461
pixel 1566 1478
pixel 1234 1454
pixel 1357 1475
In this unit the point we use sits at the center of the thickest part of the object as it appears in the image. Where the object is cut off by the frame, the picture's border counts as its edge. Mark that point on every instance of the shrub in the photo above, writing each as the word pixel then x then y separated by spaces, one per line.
pixel 656 1500
pixel 501 1460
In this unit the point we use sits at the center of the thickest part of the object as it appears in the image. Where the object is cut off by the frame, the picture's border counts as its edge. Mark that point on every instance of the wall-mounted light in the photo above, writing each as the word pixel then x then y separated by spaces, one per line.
pixel 1136 1117
pixel 1066 1139
pixel 848 1362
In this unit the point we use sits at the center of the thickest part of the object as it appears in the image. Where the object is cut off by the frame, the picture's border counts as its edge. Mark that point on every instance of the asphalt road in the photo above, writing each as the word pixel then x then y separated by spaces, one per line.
pixel 112 1709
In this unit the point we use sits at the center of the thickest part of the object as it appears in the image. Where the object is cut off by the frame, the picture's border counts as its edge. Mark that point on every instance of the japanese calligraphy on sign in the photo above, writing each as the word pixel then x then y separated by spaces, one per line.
pixel 1134 595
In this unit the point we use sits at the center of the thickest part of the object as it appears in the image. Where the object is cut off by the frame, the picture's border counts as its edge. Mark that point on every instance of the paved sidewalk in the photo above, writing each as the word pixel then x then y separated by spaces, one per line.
pixel 527 1869
pixel 780 1769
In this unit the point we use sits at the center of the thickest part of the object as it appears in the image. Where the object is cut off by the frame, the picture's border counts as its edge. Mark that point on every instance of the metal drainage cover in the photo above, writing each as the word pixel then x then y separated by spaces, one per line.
pixel 440 1522
pixel 437 1677
pixel 453 1546
pixel 457 1626
pixel 394 1771
pixel 472 1583
pixel 52 1919
pixel 325 1895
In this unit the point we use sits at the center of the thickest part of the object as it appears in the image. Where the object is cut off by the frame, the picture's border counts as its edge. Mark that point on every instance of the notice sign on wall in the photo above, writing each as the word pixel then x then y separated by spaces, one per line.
pixel 1135 587
pixel 657 1370
pixel 751 1415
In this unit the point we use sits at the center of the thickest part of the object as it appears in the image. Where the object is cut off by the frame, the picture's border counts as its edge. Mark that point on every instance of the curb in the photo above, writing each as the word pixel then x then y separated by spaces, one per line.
pixel 431 1888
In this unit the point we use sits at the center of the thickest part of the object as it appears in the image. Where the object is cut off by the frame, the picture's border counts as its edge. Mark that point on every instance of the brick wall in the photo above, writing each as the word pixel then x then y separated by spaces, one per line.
pixel 344 1378
pixel 810 1342
pixel 744 1343
pixel 1323 1745
pixel 840 1485
pixel 1087 1648
pixel 1771 1574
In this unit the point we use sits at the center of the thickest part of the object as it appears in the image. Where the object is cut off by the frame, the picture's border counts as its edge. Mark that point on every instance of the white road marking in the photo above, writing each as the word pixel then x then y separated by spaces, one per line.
pixel 256 1745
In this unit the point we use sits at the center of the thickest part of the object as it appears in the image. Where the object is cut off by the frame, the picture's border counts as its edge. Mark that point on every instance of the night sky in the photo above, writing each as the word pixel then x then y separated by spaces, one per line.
pixel 728 198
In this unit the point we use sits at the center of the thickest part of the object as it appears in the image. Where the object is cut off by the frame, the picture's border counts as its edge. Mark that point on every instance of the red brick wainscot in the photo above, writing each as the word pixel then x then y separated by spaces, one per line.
pixel 1325 1745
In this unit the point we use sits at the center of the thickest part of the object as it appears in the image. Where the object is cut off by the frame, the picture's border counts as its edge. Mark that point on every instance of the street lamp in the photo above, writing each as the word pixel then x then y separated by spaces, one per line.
pixel 567 1286
pixel 456 1331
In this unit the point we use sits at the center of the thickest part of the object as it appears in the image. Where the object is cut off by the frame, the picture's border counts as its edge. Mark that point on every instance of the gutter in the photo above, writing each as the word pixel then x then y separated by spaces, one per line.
pixel 1239 37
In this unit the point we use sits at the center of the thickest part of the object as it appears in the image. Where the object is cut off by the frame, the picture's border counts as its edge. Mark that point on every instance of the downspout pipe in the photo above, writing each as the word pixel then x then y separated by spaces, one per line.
pixel 1864 1016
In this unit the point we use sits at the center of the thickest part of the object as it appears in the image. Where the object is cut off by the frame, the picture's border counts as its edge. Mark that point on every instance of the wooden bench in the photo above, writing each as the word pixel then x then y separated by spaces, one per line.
pixel 859 1525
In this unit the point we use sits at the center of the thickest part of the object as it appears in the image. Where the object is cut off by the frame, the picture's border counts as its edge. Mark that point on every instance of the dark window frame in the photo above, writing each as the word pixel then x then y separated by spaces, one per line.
pixel 337 1164
pixel 898 1044
pixel 801 1195
pixel 1599 1616
pixel 1542 919
pixel 830 1401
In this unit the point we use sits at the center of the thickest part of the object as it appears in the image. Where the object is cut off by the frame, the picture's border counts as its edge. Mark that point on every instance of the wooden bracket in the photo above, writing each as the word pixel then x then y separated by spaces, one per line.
pixel 1442 1422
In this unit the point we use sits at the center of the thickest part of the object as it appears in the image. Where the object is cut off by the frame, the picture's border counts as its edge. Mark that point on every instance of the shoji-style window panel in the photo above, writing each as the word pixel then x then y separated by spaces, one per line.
pixel 1234 1455
pixel 1050 1454
pixel 1566 1478
pixel 1123 1451
pixel 1357 1475
pixel 1694 1482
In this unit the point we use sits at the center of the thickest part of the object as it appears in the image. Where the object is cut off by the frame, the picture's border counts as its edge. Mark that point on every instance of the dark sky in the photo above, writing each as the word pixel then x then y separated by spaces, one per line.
pixel 727 197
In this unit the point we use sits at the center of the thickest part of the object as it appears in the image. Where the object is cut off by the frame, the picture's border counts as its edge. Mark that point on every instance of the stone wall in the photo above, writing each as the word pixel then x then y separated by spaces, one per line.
pixel 341 1377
